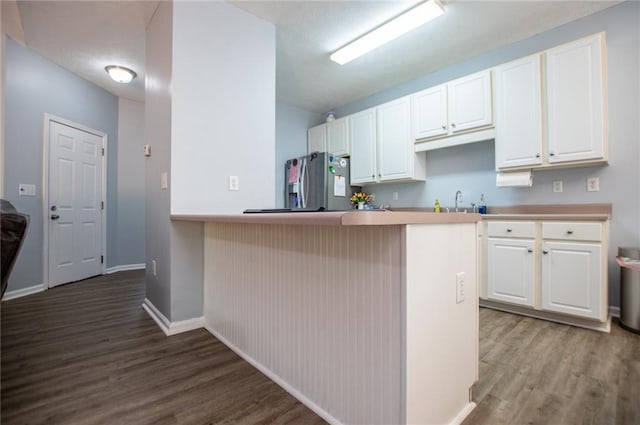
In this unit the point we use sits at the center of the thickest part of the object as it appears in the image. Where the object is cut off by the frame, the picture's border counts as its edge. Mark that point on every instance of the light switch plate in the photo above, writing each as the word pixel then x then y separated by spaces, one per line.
pixel 164 181
pixel 557 186
pixel 234 183
pixel 394 195
pixel 26 189
pixel 593 184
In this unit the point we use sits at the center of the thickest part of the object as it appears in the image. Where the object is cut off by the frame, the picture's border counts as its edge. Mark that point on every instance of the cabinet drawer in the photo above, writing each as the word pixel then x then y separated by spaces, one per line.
pixel 512 229
pixel 572 231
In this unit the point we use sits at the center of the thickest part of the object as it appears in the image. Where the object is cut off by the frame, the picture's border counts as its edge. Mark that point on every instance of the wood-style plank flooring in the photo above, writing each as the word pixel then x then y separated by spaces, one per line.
pixel 86 353
pixel 538 372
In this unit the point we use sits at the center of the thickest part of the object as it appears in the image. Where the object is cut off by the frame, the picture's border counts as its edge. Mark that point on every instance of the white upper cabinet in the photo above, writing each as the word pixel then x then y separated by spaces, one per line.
pixel 382 147
pixel 453 109
pixel 576 100
pixel 317 139
pixel 519 113
pixel 470 102
pixel 395 145
pixel 429 113
pixel 362 133
pixel 553 114
pixel 338 137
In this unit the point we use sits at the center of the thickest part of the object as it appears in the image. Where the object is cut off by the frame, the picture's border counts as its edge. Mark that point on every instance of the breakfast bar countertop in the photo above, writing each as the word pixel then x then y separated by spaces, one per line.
pixel 335 218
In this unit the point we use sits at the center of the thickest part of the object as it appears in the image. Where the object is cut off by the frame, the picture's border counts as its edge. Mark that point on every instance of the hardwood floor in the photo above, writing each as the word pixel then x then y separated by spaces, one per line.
pixel 87 353
pixel 538 372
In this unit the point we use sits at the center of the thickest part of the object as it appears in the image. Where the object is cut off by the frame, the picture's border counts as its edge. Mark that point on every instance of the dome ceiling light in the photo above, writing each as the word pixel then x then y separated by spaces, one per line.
pixel 120 74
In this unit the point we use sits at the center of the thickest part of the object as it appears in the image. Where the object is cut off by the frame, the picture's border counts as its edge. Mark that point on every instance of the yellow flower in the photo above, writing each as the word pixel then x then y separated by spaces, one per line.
pixel 360 197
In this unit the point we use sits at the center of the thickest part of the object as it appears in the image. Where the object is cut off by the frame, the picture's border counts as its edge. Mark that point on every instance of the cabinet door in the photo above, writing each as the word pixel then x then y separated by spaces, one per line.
pixel 519 113
pixel 429 113
pixel 362 133
pixel 338 137
pixel 317 139
pixel 510 270
pixel 470 102
pixel 571 278
pixel 395 145
pixel 576 103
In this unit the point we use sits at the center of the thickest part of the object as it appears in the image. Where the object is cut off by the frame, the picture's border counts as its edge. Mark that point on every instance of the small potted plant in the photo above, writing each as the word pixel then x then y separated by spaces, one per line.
pixel 359 199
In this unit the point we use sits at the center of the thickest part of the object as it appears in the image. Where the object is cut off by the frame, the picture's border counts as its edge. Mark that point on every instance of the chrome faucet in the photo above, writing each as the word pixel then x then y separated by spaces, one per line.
pixel 458 199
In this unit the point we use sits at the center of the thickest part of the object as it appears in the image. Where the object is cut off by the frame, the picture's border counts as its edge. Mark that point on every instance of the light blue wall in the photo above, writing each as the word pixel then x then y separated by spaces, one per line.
pixel 130 245
pixel 33 86
pixel 471 168
pixel 291 139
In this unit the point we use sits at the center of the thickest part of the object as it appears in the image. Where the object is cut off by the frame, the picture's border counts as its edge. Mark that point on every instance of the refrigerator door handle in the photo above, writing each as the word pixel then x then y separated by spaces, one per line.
pixel 303 180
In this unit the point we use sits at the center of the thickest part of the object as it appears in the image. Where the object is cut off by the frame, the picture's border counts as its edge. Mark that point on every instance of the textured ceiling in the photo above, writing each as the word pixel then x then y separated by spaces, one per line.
pixel 84 36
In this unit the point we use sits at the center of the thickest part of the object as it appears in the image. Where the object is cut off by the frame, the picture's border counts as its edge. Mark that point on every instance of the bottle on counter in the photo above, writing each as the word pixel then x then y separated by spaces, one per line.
pixel 482 206
pixel 436 207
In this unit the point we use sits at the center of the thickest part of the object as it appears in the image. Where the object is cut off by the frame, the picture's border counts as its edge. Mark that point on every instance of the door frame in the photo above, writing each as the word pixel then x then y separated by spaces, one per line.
pixel 48 119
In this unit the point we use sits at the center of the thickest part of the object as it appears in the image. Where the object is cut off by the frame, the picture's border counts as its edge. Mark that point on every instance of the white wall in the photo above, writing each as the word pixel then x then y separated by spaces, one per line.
pixel 158 134
pixel 223 113
pixel 131 183
pixel 210 113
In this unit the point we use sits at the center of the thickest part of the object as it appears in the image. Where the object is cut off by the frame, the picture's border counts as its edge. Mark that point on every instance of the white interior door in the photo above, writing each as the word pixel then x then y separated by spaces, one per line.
pixel 75 204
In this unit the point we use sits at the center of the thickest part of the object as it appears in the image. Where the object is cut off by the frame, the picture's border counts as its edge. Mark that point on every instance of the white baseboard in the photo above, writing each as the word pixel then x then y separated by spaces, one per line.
pixel 9 295
pixel 275 378
pixel 171 328
pixel 125 267
pixel 462 415
pixel 614 311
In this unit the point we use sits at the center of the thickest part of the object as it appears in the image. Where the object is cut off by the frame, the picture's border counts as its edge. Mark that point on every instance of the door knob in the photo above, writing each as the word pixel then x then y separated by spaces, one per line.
pixel 54 216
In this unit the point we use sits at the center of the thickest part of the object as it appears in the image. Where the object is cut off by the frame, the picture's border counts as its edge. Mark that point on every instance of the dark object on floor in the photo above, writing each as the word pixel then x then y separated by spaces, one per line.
pixel 13 229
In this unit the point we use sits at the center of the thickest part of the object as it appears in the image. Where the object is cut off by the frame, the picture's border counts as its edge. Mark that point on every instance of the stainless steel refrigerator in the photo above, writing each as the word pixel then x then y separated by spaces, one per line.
pixel 318 181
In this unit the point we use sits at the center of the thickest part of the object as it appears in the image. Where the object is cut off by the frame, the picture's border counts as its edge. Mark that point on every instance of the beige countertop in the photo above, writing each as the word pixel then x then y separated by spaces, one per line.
pixel 556 212
pixel 335 218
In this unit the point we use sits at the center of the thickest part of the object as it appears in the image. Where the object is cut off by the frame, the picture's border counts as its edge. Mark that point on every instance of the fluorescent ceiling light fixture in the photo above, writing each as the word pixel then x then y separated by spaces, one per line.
pixel 120 74
pixel 393 29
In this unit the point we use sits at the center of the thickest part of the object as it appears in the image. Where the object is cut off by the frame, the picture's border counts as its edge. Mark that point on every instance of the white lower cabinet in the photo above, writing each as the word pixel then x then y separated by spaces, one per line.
pixel 547 266
pixel 510 270
pixel 571 278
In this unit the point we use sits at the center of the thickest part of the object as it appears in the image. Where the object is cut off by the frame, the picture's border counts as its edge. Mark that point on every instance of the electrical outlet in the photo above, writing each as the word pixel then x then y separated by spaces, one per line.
pixel 460 278
pixel 557 186
pixel 593 184
pixel 234 183
pixel 153 266
pixel 395 196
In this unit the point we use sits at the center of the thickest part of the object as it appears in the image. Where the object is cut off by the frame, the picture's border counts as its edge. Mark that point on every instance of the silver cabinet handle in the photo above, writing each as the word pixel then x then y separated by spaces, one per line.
pixel 54 216
pixel 569 232
pixel 529 250
pixel 551 154
pixel 380 176
pixel 509 230
pixel 537 155
pixel 373 176
pixel 453 125
pixel 444 127
pixel 544 251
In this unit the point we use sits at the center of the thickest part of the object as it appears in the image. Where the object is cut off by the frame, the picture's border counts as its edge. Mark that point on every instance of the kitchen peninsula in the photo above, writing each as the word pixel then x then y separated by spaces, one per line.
pixel 365 316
